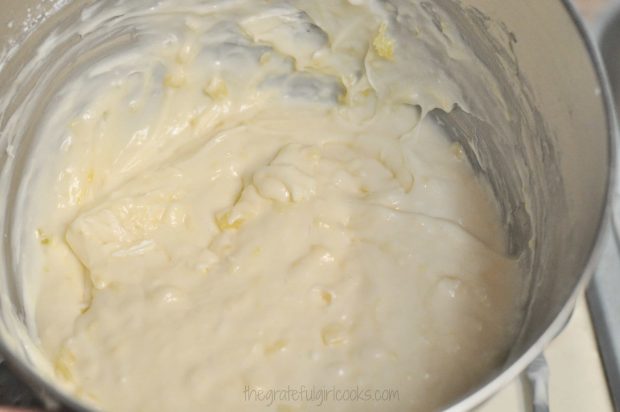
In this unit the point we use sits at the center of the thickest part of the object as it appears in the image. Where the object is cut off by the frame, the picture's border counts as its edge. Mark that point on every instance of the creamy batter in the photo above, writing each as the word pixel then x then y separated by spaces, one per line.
pixel 253 196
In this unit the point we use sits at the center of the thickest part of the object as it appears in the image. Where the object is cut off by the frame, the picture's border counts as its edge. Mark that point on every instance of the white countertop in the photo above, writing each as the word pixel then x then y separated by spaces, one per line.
pixel 576 377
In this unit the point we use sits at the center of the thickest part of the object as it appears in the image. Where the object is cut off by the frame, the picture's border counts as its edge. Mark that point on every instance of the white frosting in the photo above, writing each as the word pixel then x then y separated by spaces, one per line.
pixel 252 195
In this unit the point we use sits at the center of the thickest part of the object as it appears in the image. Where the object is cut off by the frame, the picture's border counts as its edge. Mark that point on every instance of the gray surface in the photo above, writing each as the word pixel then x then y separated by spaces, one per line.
pixel 14 392
pixel 604 291
pixel 535 383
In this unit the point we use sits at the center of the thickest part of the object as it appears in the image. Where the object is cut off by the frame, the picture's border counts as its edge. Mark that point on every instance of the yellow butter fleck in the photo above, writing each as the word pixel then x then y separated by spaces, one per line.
pixel 367 92
pixel 457 150
pixel 276 346
pixel 224 223
pixel 326 297
pixel 64 362
pixel 333 334
pixel 175 79
pixel 216 89
pixel 343 98
pixel 383 44
pixel 84 394
pixel 44 239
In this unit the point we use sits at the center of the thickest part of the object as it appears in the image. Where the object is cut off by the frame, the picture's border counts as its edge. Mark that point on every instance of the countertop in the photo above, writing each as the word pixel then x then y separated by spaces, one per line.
pixel 576 378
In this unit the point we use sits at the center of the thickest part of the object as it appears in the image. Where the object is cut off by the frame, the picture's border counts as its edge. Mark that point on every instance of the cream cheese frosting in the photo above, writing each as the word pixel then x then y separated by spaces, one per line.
pixel 253 195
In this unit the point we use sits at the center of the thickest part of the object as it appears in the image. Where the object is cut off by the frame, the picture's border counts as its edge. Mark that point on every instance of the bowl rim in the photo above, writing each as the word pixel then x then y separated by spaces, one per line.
pixel 54 397
pixel 507 375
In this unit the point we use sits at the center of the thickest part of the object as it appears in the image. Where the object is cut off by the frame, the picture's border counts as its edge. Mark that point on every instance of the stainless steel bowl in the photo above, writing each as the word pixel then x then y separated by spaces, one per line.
pixel 548 155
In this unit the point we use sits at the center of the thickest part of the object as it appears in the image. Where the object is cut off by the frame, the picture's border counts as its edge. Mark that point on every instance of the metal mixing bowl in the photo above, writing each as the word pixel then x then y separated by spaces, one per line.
pixel 548 155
